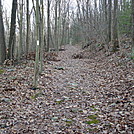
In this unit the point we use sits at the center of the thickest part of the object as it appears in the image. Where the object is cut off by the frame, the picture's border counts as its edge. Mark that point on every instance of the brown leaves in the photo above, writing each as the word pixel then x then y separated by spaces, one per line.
pixel 75 96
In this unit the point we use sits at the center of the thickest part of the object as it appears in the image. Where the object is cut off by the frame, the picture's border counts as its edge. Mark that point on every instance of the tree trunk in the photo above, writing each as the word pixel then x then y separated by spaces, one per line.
pixel 133 29
pixel 55 30
pixel 2 38
pixel 109 19
pixel 12 30
pixel 27 34
pixel 48 25
pixel 36 68
pixel 106 21
pixel 68 31
pixel 115 25
pixel 42 36
pixel 20 30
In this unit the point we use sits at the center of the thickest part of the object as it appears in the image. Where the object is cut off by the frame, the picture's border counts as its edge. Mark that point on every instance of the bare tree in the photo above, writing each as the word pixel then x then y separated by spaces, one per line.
pixel 2 38
pixel 132 29
pixel 41 35
pixel 20 21
pixel 28 23
pixel 12 30
pixel 48 25
pixel 115 27
pixel 109 19
pixel 36 68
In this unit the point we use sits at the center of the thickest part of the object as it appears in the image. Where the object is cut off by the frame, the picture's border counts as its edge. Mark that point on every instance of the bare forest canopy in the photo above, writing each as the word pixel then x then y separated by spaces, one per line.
pixel 63 22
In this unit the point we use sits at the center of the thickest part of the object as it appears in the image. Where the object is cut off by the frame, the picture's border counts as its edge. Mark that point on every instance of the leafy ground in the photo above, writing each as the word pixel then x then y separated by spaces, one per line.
pixel 74 96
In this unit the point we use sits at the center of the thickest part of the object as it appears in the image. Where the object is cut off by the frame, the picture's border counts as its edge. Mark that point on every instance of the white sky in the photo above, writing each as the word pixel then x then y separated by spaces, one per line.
pixel 7 3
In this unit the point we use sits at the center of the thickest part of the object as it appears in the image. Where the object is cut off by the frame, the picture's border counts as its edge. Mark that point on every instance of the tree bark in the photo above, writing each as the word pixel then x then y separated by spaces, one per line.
pixel 12 30
pixel 133 29
pixel 42 35
pixel 109 19
pixel 20 30
pixel 106 20
pixel 2 38
pixel 27 34
pixel 48 25
pixel 55 30
pixel 36 67
pixel 115 27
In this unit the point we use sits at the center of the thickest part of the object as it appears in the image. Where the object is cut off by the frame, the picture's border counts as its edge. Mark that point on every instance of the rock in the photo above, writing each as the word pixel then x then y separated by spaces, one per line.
pixel 73 84
pixel 6 100
pixel 10 70
pixel 59 101
pixel 66 98
pixel 132 103
pixel 112 105
pixel 123 132
pixel 67 120
pixel 55 118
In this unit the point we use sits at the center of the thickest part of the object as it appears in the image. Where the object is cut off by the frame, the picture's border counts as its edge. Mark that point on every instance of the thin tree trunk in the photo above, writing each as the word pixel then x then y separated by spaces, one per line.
pixel 68 34
pixel 133 29
pixel 42 37
pixel 55 30
pixel 27 34
pixel 48 25
pixel 36 68
pixel 106 21
pixel 59 32
pixel 109 19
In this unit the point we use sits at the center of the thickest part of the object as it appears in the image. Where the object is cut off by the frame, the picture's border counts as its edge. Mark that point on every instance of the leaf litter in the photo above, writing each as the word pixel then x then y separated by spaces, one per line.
pixel 74 96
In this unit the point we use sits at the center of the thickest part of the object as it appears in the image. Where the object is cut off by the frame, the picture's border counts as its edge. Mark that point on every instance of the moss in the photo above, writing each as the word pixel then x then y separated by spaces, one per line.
pixel 93 108
pixel 132 57
pixel 93 117
pixel 1 71
pixel 69 121
pixel 36 95
pixel 95 121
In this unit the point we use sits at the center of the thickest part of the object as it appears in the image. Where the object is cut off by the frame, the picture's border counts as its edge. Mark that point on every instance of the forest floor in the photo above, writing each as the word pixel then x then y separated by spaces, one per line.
pixel 74 96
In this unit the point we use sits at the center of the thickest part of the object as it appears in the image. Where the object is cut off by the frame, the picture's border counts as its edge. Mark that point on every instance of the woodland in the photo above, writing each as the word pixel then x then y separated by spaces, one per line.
pixel 67 67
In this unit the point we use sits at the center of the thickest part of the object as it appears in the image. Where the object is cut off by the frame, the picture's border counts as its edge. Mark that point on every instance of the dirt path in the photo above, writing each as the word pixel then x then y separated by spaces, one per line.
pixel 75 96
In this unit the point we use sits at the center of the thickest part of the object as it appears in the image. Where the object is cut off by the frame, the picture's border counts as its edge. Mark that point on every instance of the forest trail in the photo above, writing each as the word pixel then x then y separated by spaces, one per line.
pixel 75 96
